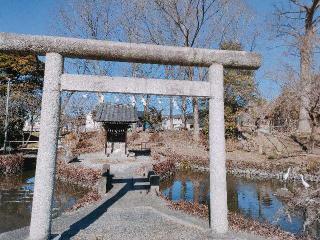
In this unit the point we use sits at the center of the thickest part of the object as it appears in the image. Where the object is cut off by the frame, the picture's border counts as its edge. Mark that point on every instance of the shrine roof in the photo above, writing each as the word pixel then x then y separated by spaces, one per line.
pixel 116 113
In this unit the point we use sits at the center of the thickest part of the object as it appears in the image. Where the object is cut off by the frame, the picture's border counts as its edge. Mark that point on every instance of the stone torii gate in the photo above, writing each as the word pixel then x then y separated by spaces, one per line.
pixel 55 80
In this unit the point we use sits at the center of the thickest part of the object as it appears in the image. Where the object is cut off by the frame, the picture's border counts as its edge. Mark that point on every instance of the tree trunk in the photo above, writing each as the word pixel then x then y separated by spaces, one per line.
pixel 196 128
pixel 195 104
pixel 184 112
pixel 170 115
pixel 305 78
pixel 146 111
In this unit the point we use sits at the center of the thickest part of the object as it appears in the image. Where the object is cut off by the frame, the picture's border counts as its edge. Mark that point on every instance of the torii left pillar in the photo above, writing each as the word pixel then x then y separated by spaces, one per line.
pixel 40 227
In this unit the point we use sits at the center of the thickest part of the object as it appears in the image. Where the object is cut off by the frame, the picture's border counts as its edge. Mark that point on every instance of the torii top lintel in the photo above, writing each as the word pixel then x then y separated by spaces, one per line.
pixel 127 52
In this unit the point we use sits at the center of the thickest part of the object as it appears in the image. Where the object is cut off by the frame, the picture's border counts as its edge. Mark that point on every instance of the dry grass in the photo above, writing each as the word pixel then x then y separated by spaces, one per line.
pixel 238 223
pixel 76 174
pixel 133 136
pixel 84 142
pixel 156 137
pixel 91 142
pixel 164 167
pixel 313 166
pixel 180 148
pixel 90 197
pixel 85 177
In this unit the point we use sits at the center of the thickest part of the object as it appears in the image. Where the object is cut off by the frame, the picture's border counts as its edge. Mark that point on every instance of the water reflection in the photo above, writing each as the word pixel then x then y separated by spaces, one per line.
pixel 254 199
pixel 16 193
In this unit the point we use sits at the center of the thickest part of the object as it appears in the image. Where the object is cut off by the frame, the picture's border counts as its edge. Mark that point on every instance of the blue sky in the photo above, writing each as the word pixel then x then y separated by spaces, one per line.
pixel 36 17
pixel 273 54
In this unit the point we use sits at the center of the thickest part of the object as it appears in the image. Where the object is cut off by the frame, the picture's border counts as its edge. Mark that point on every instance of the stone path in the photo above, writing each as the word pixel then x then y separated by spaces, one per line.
pixel 129 211
pixel 129 166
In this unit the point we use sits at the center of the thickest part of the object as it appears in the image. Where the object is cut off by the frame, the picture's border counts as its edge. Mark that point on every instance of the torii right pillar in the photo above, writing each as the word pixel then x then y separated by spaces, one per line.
pixel 218 181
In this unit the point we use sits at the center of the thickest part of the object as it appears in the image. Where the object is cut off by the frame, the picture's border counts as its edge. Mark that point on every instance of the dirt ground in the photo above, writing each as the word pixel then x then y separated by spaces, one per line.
pixel 272 152
pixel 267 152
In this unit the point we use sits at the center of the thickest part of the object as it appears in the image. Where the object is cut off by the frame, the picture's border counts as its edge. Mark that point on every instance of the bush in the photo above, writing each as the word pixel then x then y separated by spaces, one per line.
pixel 11 164
pixel 14 131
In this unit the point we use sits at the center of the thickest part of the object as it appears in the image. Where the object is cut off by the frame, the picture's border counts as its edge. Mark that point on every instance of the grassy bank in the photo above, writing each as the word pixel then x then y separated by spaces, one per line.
pixel 178 147
pixel 81 176
pixel 237 222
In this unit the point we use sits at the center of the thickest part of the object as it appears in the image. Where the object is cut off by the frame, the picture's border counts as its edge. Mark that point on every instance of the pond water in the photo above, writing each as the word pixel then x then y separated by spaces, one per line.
pixel 254 199
pixel 16 194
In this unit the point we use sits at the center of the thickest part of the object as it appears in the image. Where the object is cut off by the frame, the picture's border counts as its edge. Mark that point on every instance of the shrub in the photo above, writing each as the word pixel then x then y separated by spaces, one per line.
pixel 11 164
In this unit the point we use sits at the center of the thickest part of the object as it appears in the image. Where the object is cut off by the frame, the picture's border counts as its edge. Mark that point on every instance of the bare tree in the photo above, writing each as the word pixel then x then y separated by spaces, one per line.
pixel 313 111
pixel 95 19
pixel 298 24
pixel 285 108
pixel 194 23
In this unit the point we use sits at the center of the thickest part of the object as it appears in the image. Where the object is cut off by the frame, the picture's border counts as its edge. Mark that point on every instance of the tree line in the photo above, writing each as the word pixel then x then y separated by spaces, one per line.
pixel 224 24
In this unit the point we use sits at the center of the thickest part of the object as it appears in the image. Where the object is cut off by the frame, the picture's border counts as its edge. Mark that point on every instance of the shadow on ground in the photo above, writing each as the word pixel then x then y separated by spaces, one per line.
pixel 130 185
pixel 142 152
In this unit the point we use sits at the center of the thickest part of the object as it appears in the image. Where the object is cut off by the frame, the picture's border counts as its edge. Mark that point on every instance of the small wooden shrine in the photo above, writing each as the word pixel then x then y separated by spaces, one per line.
pixel 116 119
